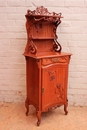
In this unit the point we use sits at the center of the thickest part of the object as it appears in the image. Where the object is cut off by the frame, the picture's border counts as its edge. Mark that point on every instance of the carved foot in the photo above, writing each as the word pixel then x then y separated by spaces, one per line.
pixel 27 112
pixel 38 117
pixel 38 123
pixel 27 106
pixel 65 109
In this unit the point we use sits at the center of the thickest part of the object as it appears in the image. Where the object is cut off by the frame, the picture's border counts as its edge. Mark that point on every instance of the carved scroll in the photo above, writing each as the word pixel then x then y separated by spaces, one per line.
pixel 56 46
pixel 32 48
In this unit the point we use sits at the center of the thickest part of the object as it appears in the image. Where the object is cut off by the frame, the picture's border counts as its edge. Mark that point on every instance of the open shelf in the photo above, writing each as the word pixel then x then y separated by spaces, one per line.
pixel 42 38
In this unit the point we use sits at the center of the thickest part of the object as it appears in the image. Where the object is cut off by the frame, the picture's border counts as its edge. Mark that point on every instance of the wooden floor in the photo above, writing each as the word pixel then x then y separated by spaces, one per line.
pixel 12 117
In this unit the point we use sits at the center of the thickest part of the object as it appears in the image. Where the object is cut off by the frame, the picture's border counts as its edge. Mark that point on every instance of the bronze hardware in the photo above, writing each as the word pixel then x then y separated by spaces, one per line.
pixel 55 59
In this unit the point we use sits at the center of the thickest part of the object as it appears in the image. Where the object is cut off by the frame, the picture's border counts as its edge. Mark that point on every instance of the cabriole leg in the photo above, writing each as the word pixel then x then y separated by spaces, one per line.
pixel 38 117
pixel 65 109
pixel 27 106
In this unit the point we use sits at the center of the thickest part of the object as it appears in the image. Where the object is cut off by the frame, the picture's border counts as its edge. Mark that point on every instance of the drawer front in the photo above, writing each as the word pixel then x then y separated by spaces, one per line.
pixel 62 59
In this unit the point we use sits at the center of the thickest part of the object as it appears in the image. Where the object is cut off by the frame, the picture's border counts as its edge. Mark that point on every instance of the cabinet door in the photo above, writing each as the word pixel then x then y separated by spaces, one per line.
pixel 54 79
pixel 61 86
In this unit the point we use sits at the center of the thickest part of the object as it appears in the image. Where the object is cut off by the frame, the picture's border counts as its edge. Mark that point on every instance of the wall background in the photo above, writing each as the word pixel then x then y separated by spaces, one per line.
pixel 72 34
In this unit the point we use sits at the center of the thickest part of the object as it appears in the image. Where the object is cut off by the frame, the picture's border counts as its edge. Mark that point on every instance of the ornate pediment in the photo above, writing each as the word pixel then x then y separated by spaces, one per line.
pixel 42 11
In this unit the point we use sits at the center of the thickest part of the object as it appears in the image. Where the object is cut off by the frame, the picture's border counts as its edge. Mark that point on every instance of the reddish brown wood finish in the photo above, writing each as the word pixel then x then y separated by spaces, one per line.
pixel 46 65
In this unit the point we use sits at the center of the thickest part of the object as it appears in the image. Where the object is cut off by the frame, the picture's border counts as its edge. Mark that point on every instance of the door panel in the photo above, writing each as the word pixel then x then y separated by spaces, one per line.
pixel 49 79
pixel 61 85
pixel 53 85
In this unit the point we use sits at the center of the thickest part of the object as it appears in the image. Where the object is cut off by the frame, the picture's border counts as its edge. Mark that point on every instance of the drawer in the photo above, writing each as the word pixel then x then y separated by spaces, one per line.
pixel 62 59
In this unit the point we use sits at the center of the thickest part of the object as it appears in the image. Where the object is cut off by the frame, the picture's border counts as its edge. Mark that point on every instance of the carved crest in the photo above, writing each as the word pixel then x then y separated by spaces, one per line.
pixel 42 11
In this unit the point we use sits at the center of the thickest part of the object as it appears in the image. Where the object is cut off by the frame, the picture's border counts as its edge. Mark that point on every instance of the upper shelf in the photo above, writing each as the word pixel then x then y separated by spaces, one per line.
pixel 34 15
pixel 44 38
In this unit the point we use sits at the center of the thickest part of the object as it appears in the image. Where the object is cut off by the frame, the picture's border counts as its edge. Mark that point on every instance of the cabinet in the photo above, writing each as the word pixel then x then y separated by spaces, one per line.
pixel 46 65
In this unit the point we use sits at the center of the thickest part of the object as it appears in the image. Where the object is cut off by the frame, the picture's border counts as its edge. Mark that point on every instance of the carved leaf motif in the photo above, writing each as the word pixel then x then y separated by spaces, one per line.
pixel 59 92
pixel 51 75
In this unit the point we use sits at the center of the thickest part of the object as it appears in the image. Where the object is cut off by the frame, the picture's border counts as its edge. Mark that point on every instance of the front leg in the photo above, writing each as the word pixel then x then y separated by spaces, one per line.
pixel 65 107
pixel 38 117
pixel 27 106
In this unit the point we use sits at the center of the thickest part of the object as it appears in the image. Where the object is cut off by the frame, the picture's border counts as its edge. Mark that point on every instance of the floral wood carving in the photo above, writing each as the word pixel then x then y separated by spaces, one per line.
pixel 59 91
pixel 52 75
pixel 42 11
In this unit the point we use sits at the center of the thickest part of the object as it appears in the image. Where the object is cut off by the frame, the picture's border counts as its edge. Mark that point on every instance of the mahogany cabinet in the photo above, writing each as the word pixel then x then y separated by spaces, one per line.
pixel 46 65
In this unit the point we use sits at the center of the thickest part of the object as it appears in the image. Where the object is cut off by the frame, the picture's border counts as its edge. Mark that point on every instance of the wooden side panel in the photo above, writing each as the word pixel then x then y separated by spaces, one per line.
pixel 32 81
